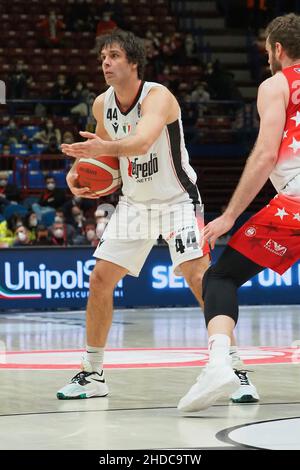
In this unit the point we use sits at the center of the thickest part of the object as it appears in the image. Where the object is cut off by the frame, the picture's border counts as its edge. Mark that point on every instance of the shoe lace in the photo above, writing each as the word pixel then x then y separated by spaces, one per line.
pixel 242 375
pixel 81 376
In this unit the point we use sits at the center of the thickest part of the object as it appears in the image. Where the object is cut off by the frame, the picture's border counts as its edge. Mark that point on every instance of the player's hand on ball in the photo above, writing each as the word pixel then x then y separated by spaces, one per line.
pixel 92 147
pixel 79 191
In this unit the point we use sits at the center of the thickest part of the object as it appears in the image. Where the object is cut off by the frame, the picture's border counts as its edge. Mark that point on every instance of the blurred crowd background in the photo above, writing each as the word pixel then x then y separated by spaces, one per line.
pixel 211 54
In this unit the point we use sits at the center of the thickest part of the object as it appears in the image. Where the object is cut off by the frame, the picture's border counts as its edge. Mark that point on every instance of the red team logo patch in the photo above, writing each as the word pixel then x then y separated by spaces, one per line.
pixel 250 232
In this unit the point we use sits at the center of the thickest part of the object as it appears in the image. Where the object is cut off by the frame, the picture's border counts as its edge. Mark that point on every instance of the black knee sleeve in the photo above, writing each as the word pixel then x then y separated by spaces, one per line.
pixel 221 282
pixel 219 295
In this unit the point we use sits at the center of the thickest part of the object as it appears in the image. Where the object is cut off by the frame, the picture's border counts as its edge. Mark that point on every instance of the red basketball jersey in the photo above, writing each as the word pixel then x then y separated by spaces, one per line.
pixel 288 162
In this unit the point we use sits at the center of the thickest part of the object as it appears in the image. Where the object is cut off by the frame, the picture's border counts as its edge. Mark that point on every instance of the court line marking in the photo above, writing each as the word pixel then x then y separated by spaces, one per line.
pixel 223 435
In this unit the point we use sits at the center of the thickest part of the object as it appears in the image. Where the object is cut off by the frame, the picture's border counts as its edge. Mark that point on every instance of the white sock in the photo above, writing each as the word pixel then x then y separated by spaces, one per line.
pixel 218 347
pixel 237 362
pixel 95 357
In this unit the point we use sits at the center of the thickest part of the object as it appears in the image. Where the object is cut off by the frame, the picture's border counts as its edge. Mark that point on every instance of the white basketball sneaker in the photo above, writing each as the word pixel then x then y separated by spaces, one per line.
pixel 214 382
pixel 246 393
pixel 85 384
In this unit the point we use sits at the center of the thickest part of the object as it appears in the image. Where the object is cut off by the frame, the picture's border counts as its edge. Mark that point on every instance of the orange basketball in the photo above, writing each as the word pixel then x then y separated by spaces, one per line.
pixel 101 174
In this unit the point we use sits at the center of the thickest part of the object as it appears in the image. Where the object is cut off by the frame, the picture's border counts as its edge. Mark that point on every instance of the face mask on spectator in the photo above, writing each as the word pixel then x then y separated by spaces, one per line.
pixel 50 186
pixel 58 219
pixel 33 222
pixel 90 235
pixel 58 233
pixel 21 236
pixel 3 183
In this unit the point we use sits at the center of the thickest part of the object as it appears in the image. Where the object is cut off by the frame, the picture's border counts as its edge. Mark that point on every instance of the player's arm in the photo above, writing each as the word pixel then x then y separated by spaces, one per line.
pixel 101 132
pixel 156 111
pixel 272 110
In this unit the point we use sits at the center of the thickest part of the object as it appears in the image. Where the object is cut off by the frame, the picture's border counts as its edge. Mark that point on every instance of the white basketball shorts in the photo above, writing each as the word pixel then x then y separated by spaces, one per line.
pixel 134 228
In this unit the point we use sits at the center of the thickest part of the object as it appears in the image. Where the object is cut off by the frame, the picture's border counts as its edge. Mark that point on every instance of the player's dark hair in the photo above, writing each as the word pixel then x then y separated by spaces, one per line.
pixel 285 30
pixel 131 44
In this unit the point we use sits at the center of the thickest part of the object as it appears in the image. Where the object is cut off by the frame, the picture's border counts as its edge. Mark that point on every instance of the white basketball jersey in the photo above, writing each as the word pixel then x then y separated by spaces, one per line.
pixel 164 172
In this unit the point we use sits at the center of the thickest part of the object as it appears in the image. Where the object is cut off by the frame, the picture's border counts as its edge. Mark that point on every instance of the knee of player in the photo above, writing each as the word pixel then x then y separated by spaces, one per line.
pixel 98 280
pixel 195 280
pixel 214 274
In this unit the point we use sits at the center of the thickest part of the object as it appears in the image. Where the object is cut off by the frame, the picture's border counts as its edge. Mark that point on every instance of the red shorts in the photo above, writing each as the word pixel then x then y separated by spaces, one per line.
pixel 271 238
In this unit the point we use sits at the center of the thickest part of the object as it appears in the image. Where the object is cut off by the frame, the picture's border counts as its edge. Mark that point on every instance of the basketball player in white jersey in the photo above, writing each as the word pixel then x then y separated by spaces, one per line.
pixel 140 123
pixel 271 238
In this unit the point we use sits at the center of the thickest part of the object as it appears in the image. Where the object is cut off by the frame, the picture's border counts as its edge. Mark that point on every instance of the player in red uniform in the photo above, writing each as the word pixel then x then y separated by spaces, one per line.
pixel 271 238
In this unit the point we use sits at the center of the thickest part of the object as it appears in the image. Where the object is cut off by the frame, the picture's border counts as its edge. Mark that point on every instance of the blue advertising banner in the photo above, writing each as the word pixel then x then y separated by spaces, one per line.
pixel 58 278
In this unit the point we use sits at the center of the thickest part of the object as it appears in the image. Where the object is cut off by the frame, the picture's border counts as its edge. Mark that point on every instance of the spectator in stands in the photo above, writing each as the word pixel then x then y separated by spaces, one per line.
pixel 246 123
pixel 68 137
pixel 189 46
pixel 55 162
pixel 77 220
pixel 258 59
pixel 60 218
pixel 256 13
pixel 59 235
pixel 86 205
pixel 105 26
pixel 22 236
pixel 11 134
pixel 31 223
pixel 14 221
pixel 116 11
pixel 5 150
pixel 88 235
pixel 200 93
pixel 61 89
pixel 79 16
pixel 9 192
pixel 6 235
pixel 47 132
pixel 42 236
pixel 50 199
pixel 90 121
pixel 189 118
pixel 19 82
pixel 59 215
pixel 90 232
pixel 221 82
pixel 51 31
pixel 153 53
pixel 80 110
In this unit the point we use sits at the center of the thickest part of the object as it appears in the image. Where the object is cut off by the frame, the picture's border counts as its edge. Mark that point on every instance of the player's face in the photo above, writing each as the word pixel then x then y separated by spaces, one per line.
pixel 275 65
pixel 115 65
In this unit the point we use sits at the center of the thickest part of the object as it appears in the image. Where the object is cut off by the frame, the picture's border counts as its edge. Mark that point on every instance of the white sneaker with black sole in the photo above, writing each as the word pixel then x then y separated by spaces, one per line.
pixel 213 383
pixel 246 393
pixel 85 384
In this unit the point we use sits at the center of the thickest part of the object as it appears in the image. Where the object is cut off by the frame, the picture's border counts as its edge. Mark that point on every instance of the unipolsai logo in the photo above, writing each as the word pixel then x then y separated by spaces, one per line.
pixel 2 92
pixel 22 283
